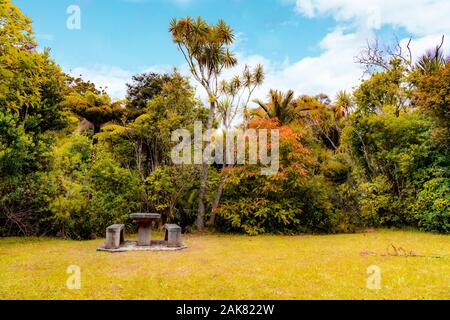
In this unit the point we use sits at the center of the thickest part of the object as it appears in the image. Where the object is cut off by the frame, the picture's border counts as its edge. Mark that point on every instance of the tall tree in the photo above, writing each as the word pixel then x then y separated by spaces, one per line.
pixel 206 50
pixel 433 96
pixel 324 119
pixel 144 87
pixel 31 87
pixel 149 136
pixel 97 109
pixel 80 86
pixel 383 89
pixel 174 108
pixel 236 94
pixel 145 144
pixel 345 102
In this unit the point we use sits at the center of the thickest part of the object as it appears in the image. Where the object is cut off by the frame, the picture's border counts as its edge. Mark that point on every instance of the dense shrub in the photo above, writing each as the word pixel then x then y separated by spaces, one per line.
pixel 31 86
pixel 433 206
pixel 318 214
pixel 24 204
pixel 290 201
pixel 116 193
pixel 337 168
pixel 93 192
pixel 72 217
pixel 252 205
pixel 396 158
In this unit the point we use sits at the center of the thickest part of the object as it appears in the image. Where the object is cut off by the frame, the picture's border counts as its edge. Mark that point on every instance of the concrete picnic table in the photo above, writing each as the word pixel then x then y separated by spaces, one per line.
pixel 144 221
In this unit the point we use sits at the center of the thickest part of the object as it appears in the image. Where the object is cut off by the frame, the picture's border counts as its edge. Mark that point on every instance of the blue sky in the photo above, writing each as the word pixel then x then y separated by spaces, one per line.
pixel 306 45
pixel 134 34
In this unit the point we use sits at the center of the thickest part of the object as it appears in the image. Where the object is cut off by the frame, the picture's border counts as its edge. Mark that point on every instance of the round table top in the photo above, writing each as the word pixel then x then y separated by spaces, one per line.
pixel 145 216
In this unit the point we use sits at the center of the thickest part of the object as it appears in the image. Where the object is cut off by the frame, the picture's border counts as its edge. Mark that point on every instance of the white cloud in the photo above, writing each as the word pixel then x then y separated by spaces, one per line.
pixel 112 79
pixel 420 45
pixel 419 17
pixel 329 72
pixel 332 70
pixel 306 7
pixel 357 21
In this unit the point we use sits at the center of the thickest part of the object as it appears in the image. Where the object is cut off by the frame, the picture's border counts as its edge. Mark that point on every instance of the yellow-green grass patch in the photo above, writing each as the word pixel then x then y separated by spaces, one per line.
pixel 219 266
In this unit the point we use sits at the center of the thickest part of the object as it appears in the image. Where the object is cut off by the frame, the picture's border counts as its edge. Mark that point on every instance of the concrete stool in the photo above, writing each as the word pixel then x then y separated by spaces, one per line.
pixel 173 235
pixel 114 236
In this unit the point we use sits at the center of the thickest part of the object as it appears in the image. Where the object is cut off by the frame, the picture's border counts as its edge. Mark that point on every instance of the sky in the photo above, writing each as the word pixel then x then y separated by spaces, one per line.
pixel 305 45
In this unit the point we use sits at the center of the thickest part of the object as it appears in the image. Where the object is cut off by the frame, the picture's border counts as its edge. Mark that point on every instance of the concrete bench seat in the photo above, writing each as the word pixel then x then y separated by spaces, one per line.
pixel 115 236
pixel 173 235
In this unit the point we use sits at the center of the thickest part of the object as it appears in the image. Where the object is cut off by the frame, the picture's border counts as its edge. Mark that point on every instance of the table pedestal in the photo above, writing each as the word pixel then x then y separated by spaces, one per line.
pixel 144 221
pixel 144 234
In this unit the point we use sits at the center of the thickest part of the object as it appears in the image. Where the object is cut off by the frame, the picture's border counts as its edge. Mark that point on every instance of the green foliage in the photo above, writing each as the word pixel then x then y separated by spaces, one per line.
pixel 170 186
pixel 31 87
pixel 145 143
pixel 394 153
pixel 390 145
pixel 93 192
pixel 24 204
pixel 71 215
pixel 383 89
pixel 116 193
pixel 252 205
pixel 70 207
pixel 317 207
pixel 336 169
pixel 97 109
pixel 395 148
pixel 433 97
pixel 323 118
pixel 144 88
pixel 378 205
pixel 127 169
pixel 346 198
pixel 378 158
pixel 260 210
pixel 279 107
pixel 73 155
pixel 433 206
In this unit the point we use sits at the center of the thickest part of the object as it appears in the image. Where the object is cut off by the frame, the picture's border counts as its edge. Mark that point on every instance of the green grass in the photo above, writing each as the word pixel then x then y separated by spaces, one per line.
pixel 232 267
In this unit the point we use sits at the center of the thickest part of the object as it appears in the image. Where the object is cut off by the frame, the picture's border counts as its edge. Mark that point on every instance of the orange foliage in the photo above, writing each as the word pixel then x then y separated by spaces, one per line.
pixel 294 156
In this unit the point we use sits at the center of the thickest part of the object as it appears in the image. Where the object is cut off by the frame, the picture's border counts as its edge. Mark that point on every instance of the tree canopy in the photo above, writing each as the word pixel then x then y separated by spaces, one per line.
pixel 374 157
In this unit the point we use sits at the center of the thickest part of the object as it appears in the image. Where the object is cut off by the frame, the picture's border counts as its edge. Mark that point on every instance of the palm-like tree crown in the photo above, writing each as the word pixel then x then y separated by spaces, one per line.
pixel 432 61
pixel 205 48
pixel 280 106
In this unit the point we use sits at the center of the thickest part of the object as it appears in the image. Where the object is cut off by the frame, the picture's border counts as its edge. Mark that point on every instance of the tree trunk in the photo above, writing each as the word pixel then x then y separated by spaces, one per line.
pixel 97 129
pixel 212 220
pixel 201 203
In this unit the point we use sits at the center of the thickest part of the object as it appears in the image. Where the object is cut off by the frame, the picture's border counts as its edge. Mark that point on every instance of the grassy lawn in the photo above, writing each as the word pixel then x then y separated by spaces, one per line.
pixel 232 267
